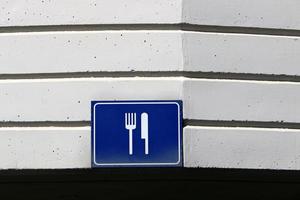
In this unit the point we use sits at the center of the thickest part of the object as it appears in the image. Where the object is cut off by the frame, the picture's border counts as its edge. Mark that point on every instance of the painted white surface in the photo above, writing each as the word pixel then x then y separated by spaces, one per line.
pixel 277 14
pixel 204 99
pixel 241 148
pixel 90 51
pixel 57 12
pixel 245 13
pixel 45 147
pixel 69 147
pixel 70 99
pixel 240 53
pixel 55 52
pixel 212 99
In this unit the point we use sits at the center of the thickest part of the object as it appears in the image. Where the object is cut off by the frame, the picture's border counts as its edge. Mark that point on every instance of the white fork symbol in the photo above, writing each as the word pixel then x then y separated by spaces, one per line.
pixel 130 125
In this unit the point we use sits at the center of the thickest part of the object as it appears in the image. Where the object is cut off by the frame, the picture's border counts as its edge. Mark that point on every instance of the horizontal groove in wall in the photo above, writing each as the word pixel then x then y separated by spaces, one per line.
pixel 45 124
pixel 242 76
pixel 186 122
pixel 241 30
pixel 93 27
pixel 250 124
pixel 118 74
pixel 158 27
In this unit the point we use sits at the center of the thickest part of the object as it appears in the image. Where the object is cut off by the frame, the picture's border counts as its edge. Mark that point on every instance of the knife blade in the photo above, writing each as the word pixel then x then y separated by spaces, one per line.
pixel 144 131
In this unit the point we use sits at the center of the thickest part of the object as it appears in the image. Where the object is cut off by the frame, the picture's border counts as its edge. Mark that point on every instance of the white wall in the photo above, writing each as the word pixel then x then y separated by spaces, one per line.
pixel 57 56
pixel 67 12
pixel 94 51
pixel 273 14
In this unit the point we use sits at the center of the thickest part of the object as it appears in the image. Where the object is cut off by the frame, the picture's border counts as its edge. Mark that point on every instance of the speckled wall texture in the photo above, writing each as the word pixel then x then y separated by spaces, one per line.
pixel 234 63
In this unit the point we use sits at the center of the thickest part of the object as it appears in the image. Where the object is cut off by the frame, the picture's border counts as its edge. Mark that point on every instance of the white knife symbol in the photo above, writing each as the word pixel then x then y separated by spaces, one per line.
pixel 144 131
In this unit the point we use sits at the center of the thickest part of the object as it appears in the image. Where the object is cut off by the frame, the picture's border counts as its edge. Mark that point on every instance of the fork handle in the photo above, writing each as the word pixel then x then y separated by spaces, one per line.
pixel 130 142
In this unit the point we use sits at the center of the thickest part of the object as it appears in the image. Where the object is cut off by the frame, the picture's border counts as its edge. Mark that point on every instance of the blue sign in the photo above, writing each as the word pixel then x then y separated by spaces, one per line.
pixel 136 133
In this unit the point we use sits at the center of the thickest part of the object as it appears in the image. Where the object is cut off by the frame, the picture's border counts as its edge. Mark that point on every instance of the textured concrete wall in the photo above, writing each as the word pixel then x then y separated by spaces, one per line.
pixel 235 65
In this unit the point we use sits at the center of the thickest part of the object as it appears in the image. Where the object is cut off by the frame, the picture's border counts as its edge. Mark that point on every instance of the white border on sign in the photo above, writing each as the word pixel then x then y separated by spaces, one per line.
pixel 128 164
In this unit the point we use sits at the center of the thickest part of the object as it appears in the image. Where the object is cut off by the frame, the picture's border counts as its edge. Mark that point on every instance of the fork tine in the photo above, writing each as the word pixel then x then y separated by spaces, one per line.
pixel 128 119
pixel 128 115
pixel 134 118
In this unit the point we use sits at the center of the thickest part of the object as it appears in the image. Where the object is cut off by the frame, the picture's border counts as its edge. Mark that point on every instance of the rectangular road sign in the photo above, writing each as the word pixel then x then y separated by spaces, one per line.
pixel 136 133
